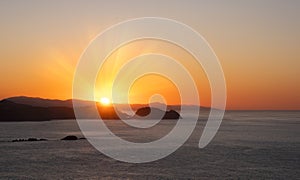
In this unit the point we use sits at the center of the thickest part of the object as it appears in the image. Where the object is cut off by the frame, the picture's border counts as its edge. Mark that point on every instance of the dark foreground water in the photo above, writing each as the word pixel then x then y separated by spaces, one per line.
pixel 248 145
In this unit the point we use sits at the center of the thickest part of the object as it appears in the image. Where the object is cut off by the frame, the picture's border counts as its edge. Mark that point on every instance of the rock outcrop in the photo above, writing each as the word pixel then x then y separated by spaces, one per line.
pixel 155 113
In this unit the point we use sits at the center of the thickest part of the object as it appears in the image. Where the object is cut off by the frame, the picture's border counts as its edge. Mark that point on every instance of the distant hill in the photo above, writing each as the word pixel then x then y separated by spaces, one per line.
pixel 10 111
pixel 37 109
pixel 40 102
pixel 135 107
pixel 24 108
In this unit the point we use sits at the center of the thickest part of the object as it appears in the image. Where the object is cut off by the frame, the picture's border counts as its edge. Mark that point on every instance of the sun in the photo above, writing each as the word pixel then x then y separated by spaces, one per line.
pixel 105 101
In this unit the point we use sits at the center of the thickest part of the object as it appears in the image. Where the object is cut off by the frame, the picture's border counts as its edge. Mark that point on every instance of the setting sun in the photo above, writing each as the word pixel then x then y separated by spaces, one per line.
pixel 105 101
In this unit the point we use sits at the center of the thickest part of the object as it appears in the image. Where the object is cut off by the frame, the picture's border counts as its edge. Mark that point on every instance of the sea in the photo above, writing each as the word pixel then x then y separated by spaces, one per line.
pixel 248 145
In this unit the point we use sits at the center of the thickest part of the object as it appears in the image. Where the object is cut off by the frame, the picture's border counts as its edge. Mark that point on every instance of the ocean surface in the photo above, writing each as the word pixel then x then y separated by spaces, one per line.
pixel 248 145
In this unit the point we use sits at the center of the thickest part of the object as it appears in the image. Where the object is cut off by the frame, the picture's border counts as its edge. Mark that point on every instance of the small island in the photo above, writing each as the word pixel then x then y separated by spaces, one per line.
pixel 155 113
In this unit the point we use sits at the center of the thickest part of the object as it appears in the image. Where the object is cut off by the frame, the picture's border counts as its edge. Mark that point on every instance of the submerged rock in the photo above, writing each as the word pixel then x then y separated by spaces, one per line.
pixel 70 138
pixel 29 139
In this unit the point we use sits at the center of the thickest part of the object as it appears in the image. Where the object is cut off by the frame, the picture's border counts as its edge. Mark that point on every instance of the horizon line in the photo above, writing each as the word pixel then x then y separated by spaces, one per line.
pixel 55 99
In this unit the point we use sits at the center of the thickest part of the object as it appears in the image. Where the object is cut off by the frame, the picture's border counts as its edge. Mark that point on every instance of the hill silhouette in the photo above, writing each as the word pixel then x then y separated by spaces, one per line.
pixel 40 102
pixel 10 111
pixel 24 108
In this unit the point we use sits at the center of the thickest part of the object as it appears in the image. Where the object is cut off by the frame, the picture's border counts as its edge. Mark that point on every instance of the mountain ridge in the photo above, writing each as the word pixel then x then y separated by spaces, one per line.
pixel 44 102
pixel 23 108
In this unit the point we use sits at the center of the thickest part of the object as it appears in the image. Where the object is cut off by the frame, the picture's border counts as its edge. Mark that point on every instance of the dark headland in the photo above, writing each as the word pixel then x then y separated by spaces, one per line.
pixel 37 109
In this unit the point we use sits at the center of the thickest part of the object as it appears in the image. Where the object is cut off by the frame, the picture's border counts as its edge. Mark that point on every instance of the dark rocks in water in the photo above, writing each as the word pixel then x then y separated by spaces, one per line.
pixel 70 138
pixel 155 113
pixel 172 115
pixel 29 139
pixel 18 140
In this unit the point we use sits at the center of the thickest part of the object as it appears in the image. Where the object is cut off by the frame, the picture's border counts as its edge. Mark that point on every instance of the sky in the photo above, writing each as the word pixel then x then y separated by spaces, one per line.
pixel 257 43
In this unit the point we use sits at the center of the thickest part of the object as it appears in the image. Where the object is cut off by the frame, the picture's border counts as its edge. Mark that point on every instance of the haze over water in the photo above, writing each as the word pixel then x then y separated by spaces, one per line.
pixel 251 145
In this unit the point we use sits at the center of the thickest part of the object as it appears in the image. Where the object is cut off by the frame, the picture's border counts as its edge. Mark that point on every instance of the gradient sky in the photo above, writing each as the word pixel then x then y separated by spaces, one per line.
pixel 257 42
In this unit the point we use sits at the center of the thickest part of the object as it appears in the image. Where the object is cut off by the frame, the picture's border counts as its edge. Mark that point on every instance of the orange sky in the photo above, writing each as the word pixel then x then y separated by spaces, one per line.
pixel 142 89
pixel 256 42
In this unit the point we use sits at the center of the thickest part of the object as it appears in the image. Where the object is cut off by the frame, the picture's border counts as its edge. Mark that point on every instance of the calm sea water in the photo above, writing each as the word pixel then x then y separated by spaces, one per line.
pixel 248 145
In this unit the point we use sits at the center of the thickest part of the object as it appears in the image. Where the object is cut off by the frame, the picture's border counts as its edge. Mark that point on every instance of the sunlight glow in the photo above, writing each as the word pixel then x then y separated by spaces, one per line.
pixel 105 101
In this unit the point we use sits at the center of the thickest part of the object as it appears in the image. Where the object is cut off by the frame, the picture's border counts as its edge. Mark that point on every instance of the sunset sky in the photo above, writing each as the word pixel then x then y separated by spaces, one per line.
pixel 257 43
